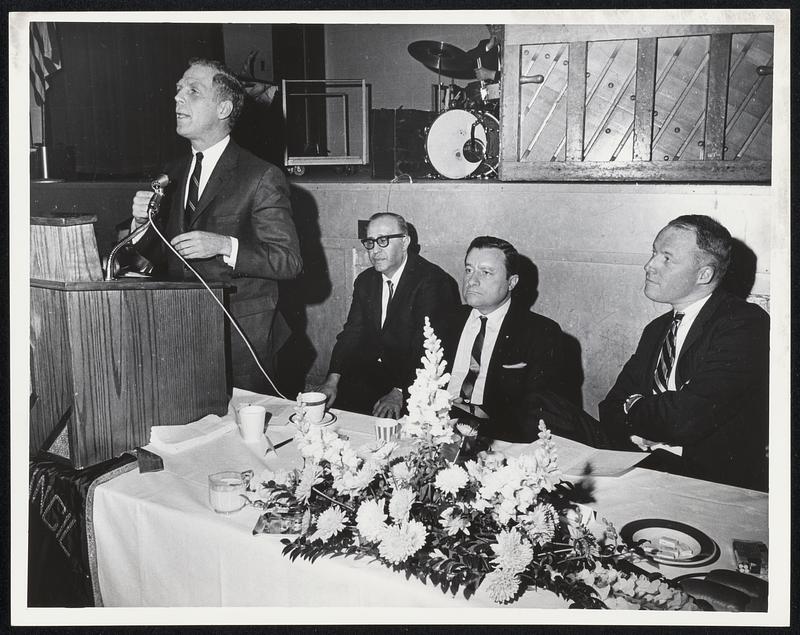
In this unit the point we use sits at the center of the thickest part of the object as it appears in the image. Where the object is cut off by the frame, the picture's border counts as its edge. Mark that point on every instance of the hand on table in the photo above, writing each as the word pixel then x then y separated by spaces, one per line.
pixel 198 244
pixel 329 388
pixel 644 444
pixel 389 405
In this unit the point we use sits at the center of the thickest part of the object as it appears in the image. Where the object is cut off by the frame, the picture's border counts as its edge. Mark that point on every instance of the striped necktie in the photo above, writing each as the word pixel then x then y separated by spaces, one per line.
pixel 194 188
pixel 474 363
pixel 666 357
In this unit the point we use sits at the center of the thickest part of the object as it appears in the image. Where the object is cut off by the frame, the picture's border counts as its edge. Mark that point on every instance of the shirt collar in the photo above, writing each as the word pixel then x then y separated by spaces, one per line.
pixel 396 277
pixel 496 317
pixel 211 155
pixel 691 311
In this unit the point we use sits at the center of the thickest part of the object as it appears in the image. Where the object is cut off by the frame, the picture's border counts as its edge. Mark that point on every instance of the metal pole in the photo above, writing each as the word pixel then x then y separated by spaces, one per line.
pixel 45 171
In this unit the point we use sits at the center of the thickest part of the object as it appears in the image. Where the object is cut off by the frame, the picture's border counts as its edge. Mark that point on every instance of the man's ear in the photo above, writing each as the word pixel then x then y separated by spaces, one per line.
pixel 706 274
pixel 512 282
pixel 406 240
pixel 224 109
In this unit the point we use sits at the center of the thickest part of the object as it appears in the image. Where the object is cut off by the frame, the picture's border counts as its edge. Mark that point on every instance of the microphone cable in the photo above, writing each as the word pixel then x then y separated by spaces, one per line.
pixel 217 300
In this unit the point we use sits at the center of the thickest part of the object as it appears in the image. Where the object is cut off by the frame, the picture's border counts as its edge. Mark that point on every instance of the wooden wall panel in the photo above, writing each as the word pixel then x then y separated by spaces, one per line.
pixel 674 111
pixel 51 371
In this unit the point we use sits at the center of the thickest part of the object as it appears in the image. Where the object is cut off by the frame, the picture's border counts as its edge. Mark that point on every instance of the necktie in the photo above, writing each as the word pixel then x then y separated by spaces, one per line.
pixel 194 188
pixel 666 357
pixel 474 362
pixel 389 284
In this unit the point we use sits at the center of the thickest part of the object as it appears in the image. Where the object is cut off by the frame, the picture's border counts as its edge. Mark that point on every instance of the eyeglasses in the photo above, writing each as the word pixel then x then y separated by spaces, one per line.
pixel 383 241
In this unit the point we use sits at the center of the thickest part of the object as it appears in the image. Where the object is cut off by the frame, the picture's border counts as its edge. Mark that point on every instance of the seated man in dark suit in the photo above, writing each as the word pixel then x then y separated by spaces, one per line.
pixel 375 357
pixel 505 361
pixel 696 389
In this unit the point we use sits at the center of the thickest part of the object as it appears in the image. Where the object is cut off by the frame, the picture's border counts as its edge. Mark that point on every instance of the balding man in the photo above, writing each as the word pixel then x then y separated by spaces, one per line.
pixel 228 214
pixel 379 349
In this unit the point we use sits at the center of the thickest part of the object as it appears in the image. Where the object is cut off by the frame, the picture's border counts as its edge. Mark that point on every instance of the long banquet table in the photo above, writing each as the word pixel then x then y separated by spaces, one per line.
pixel 154 541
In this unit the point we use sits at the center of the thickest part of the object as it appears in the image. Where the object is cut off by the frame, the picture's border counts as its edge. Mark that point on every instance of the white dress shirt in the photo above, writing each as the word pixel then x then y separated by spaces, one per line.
pixel 395 279
pixel 464 352
pixel 210 159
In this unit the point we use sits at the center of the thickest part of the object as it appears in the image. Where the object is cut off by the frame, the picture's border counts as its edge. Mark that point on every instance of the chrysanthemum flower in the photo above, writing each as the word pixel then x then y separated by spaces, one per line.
pixel 501 585
pixel 453 522
pixel 371 519
pixel 451 479
pixel 401 472
pixel 399 542
pixel 329 523
pixel 512 552
pixel 311 475
pixel 400 504
pixel 540 523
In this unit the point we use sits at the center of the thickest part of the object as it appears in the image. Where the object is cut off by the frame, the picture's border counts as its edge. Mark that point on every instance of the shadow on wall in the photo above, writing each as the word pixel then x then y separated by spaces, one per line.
pixel 312 286
pixel 741 274
pixel 527 292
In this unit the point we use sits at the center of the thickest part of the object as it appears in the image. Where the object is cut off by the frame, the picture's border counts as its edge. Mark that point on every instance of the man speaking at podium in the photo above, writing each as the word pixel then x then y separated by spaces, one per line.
pixel 229 215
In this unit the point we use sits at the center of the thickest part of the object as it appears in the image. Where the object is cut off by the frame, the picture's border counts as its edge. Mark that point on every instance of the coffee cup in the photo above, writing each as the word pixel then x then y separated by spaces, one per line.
pixel 313 406
pixel 251 422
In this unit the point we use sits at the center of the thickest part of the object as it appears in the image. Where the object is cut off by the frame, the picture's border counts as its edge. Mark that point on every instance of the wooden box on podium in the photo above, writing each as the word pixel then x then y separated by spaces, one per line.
pixel 113 358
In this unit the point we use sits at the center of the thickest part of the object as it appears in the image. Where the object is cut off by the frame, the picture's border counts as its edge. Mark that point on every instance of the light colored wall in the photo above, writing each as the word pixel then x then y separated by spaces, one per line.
pixel 589 242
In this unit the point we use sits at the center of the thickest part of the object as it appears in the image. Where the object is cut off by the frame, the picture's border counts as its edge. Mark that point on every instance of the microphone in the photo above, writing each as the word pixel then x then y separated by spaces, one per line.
pixel 158 185
pixel 160 182
pixel 141 263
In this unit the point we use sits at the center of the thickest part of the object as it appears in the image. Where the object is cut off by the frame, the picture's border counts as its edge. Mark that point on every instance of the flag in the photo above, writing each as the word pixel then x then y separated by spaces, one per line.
pixel 45 57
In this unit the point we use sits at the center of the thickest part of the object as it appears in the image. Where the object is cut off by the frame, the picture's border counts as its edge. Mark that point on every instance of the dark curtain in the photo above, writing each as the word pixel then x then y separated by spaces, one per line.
pixel 110 107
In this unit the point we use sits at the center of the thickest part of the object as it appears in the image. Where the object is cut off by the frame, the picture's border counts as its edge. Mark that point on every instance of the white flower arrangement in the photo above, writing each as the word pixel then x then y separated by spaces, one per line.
pixel 497 523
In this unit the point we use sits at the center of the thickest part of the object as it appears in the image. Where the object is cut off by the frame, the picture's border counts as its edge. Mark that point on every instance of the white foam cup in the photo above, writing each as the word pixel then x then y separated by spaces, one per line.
pixel 251 422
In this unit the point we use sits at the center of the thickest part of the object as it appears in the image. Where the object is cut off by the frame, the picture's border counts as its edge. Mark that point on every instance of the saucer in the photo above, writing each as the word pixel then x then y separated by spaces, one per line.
pixel 327 420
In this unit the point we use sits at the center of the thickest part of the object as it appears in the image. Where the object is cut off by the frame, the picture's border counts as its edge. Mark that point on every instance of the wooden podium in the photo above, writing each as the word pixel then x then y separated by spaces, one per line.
pixel 113 358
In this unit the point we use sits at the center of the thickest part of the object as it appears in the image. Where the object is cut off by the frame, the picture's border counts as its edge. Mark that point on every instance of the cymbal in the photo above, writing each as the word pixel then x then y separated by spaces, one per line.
pixel 444 58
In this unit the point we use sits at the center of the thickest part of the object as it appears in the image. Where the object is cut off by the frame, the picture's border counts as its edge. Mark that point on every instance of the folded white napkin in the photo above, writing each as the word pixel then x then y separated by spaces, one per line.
pixel 174 439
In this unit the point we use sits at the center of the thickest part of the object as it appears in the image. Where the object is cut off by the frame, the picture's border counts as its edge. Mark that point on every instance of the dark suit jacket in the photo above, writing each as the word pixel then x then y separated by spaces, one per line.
pixel 246 198
pixel 719 414
pixel 525 379
pixel 424 290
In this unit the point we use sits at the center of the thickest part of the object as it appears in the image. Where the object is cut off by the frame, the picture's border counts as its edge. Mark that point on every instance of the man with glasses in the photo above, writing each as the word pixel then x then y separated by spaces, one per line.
pixel 376 355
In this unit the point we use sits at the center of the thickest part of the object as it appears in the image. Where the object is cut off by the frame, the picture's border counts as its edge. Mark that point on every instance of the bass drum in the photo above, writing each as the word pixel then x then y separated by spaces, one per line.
pixel 461 143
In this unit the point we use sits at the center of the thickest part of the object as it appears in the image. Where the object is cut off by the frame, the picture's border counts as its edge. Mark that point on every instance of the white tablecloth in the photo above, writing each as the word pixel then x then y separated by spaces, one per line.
pixel 159 544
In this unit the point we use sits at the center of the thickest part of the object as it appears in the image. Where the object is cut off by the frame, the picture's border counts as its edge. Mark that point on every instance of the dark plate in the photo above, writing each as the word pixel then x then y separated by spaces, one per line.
pixel 704 549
